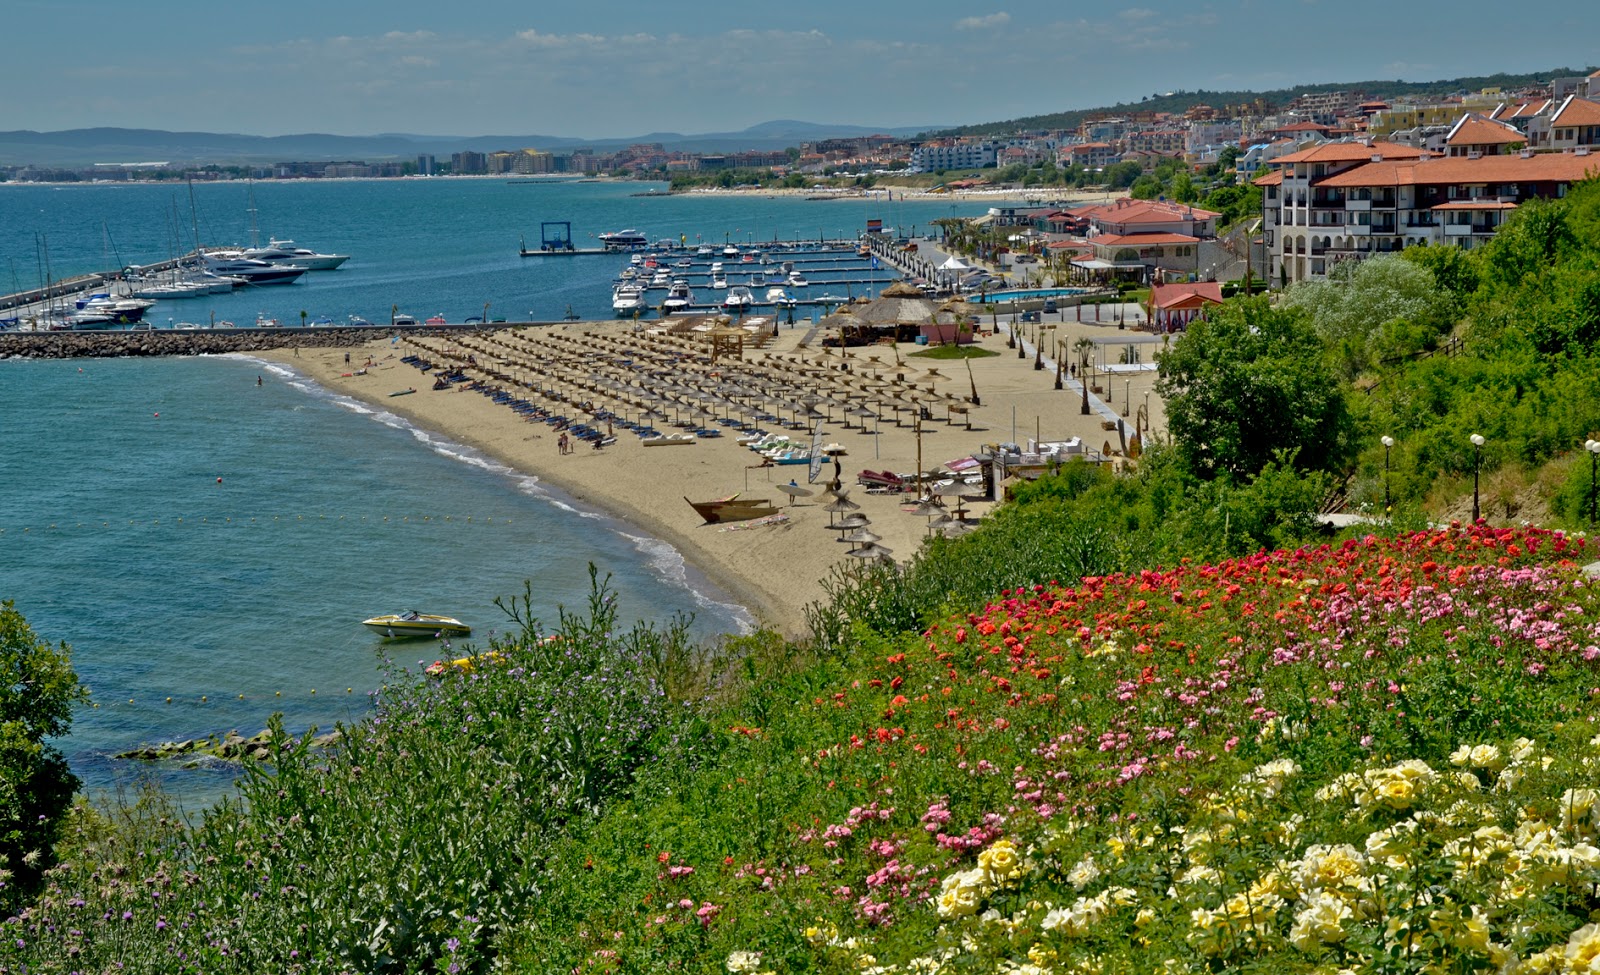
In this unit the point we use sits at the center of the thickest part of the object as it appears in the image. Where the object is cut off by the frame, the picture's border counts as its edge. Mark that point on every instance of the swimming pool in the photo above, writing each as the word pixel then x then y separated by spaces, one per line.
pixel 1036 293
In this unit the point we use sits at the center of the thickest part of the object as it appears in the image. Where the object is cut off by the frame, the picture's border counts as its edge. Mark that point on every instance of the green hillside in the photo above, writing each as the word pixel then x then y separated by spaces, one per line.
pixel 1179 102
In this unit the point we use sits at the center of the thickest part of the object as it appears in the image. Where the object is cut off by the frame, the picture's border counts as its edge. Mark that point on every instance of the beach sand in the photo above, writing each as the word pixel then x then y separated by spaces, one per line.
pixel 775 570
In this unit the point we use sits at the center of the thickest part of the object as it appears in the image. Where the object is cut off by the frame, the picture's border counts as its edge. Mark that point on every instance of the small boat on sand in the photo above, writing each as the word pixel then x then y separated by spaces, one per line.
pixel 401 392
pixel 414 624
pixel 670 440
pixel 732 509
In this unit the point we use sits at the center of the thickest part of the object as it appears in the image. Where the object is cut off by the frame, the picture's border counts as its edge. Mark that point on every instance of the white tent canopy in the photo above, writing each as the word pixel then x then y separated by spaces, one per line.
pixel 953 263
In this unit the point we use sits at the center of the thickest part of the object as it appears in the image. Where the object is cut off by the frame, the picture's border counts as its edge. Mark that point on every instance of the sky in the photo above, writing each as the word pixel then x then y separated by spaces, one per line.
pixel 617 68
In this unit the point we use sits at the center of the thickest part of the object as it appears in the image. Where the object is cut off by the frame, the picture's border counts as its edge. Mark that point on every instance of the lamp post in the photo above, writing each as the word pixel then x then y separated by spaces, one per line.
pixel 1593 447
pixel 1127 386
pixel 1477 461
pixel 1388 444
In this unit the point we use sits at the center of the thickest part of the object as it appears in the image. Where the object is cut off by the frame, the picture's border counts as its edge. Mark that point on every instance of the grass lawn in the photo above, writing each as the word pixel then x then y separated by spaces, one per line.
pixel 955 352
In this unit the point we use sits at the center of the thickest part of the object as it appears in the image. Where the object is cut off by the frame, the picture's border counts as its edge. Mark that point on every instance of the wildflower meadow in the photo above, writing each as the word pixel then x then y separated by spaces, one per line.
pixel 1376 755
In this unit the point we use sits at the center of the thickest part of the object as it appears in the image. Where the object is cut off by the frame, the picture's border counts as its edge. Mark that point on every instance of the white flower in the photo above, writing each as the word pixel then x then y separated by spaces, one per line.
pixel 1320 923
pixel 744 961
pixel 1083 873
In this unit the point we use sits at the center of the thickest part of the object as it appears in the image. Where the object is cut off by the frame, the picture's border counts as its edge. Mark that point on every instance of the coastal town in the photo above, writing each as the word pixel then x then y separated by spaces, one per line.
pixel 1150 539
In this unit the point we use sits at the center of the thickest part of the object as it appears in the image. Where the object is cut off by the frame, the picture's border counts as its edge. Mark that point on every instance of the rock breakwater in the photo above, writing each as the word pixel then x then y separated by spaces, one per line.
pixel 93 345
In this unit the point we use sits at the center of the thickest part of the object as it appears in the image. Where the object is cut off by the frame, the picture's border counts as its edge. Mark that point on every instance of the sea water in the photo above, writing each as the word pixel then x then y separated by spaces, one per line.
pixel 209 546
pixel 421 247
pixel 201 538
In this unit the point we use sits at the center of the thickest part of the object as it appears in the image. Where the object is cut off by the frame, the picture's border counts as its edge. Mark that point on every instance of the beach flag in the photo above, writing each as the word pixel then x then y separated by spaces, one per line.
pixel 874 262
pixel 874 226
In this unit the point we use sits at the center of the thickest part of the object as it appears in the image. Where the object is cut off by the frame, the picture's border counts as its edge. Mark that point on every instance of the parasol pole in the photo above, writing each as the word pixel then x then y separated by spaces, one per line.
pixel 919 453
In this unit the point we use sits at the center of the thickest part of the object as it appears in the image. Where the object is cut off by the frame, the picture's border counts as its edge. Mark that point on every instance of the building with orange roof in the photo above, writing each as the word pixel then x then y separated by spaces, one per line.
pixel 1477 135
pixel 1575 124
pixel 1172 306
pixel 1319 212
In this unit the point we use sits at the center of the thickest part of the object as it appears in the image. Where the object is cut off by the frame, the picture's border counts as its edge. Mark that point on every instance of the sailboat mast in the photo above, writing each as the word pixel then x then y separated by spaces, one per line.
pixel 194 217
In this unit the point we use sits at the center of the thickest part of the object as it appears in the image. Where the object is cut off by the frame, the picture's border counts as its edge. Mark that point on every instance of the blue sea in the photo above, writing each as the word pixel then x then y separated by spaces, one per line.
pixel 208 546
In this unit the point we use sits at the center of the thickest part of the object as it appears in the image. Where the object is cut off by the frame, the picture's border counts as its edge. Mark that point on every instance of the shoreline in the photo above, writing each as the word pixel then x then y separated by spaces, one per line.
pixel 774 567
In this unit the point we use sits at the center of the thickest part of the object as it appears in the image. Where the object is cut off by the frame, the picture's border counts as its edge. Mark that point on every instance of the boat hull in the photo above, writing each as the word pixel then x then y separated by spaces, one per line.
pixel 424 627
pixel 720 512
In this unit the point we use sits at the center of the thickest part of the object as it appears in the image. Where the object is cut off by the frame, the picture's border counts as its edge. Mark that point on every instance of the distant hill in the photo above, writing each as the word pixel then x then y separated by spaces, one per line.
pixel 1179 102
pixel 82 147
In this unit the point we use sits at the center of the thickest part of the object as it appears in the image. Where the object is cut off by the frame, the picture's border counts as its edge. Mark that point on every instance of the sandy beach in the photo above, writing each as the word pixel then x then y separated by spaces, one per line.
pixel 777 568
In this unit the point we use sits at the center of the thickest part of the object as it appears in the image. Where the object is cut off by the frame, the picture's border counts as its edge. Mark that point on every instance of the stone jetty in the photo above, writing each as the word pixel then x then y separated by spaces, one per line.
pixel 159 342
pixel 231 747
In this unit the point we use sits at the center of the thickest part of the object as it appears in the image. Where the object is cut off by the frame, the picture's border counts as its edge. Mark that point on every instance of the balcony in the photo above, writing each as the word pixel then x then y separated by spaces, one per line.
pixel 1357 206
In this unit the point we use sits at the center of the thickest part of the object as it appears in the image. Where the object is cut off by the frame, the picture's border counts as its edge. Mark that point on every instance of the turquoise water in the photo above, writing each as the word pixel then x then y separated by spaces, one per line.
pixel 426 246
pixel 1034 293
pixel 119 539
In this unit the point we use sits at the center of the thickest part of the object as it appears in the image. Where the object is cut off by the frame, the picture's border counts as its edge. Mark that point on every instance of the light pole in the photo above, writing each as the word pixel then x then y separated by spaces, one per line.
pixel 1388 444
pixel 1477 461
pixel 1127 386
pixel 1593 447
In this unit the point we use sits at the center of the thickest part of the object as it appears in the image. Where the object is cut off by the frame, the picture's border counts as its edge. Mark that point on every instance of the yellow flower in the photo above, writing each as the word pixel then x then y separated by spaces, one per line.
pixel 1000 862
pixel 1583 949
pixel 1320 923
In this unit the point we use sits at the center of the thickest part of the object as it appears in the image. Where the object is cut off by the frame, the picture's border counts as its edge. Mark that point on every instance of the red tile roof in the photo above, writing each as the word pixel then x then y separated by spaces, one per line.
pixel 1546 167
pixel 1475 130
pixel 1271 179
pixel 1141 240
pixel 1475 205
pixel 1349 152
pixel 1577 111
pixel 1172 297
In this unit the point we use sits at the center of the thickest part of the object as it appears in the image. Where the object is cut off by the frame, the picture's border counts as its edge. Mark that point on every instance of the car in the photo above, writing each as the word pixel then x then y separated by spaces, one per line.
pixel 1049 304
pixel 1029 316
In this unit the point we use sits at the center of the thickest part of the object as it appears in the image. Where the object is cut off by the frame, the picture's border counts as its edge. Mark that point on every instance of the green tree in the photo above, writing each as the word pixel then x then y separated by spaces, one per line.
pixel 1361 304
pixel 1146 187
pixel 37 690
pixel 1120 176
pixel 1183 189
pixel 1249 384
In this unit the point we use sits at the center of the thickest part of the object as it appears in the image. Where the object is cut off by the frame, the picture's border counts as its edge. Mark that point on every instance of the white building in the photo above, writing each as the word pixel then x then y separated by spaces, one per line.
pixel 957 155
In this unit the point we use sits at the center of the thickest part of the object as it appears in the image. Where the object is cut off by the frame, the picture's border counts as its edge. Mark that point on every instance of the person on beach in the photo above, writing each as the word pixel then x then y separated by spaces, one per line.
pixel 258 380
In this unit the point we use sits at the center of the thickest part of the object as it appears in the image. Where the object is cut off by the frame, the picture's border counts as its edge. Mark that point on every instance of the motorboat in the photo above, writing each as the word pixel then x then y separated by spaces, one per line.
pixel 730 251
pixel 251 271
pixel 716 267
pixel 627 300
pixel 661 278
pixel 719 283
pixel 776 295
pixel 798 280
pixel 704 250
pixel 679 297
pixel 683 264
pixel 738 299
pixel 404 319
pixel 436 320
pixel 412 624
pixel 732 509
pixel 287 252
pixel 624 240
pixel 120 311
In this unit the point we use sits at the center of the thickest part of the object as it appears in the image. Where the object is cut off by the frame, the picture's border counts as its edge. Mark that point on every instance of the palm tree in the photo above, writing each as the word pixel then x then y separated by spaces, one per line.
pixel 1084 347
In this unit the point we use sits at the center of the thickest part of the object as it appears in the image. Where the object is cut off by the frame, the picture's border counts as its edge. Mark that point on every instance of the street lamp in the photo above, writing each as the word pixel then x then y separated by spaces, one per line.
pixel 1477 461
pixel 1593 447
pixel 1388 444
pixel 1127 385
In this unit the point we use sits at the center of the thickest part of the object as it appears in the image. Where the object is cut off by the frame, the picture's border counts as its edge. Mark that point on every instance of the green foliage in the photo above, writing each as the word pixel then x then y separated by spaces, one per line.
pixel 1248 382
pixel 1122 175
pixel 1379 308
pixel 38 688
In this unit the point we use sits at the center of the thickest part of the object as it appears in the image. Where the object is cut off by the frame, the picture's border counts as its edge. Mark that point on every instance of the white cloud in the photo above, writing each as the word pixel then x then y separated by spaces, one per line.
pixel 999 19
pixel 1137 13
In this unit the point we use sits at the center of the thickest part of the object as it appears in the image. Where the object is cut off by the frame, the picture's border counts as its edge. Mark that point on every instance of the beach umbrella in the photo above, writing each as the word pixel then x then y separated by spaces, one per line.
pixel 862 536
pixel 928 507
pixel 794 491
pixel 870 552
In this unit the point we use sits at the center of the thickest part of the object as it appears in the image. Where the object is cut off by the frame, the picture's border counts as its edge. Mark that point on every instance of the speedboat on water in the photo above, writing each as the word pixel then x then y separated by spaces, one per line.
pixel 718 282
pixel 627 300
pixel 777 296
pixel 286 252
pixel 738 299
pixel 414 624
pixel 679 298
pixel 797 280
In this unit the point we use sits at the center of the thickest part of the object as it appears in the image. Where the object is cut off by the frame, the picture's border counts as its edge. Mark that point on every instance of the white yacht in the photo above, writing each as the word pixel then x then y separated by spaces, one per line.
pixel 730 251
pixel 286 252
pixel 776 295
pixel 679 298
pixel 738 299
pixel 253 272
pixel 718 282
pixel 797 280
pixel 716 268
pixel 661 278
pixel 627 300
pixel 704 250
pixel 624 240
